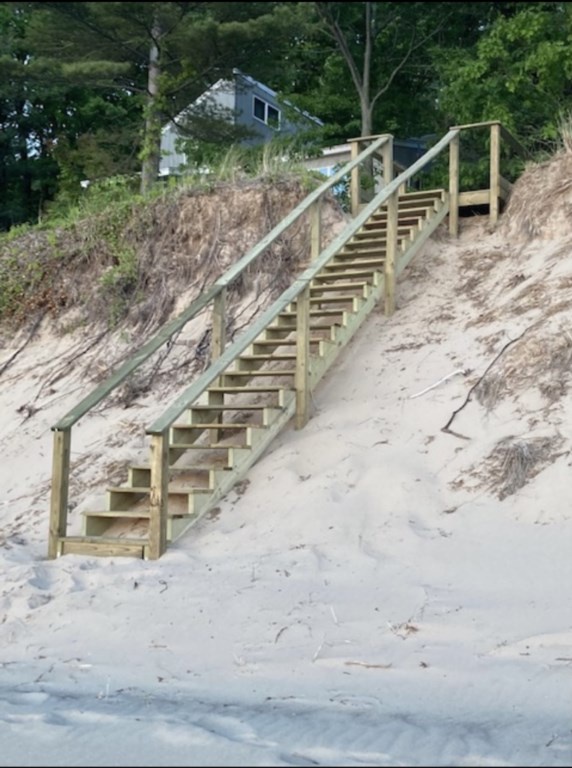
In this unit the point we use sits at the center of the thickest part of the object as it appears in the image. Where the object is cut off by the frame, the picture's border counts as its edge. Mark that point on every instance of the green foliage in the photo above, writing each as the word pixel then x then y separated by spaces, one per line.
pixel 519 73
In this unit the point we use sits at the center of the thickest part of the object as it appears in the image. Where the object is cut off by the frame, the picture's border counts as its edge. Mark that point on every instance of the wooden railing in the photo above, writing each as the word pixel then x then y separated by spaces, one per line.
pixel 215 296
pixel 499 187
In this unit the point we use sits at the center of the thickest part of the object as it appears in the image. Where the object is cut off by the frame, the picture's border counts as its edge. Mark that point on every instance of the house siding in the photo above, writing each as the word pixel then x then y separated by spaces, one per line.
pixel 237 97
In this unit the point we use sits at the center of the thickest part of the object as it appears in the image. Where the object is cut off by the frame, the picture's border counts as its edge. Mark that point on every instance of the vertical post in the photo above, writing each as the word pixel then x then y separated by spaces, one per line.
pixel 218 340
pixel 158 495
pixel 315 229
pixel 391 252
pixel 218 343
pixel 387 155
pixel 303 357
pixel 60 490
pixel 495 173
pixel 454 186
pixel 355 190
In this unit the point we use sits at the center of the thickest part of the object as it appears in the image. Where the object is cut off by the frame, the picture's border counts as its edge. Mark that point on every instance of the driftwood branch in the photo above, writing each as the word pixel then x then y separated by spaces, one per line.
pixel 447 426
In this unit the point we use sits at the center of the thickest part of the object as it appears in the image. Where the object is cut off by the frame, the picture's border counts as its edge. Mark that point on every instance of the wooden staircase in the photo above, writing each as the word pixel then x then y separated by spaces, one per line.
pixel 220 436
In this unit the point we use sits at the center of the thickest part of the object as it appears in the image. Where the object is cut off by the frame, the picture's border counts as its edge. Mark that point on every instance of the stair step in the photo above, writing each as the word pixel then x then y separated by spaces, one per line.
pixel 364 238
pixel 421 194
pixel 418 210
pixel 341 286
pixel 353 261
pixel 141 513
pixel 343 299
pixel 216 425
pixel 102 546
pixel 267 372
pixel 314 312
pixel 211 447
pixel 272 356
pixel 234 407
pixel 254 390
pixel 139 475
pixel 135 505
pixel 369 247
pixel 340 271
pixel 284 342
pixel 124 493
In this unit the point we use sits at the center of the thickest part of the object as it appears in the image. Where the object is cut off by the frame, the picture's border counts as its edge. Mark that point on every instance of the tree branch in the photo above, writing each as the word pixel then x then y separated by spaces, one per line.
pixel 328 18
pixel 412 47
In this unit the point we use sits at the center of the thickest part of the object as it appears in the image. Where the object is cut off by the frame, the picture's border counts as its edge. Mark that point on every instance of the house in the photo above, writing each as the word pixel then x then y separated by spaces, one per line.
pixel 243 102
pixel 405 153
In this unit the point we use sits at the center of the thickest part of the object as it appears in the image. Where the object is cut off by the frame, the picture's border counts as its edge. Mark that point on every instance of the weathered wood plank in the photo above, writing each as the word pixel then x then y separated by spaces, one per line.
pixel 302 379
pixel 218 338
pixel 355 181
pixel 484 124
pixel 387 159
pixel 494 173
pixel 158 495
pixel 315 229
pixel 477 197
pixel 60 490
pixel 391 253
pixel 96 546
pixel 454 186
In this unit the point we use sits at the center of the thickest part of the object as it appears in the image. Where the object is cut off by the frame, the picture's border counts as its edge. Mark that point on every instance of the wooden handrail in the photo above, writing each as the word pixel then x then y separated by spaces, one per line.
pixel 507 136
pixel 484 124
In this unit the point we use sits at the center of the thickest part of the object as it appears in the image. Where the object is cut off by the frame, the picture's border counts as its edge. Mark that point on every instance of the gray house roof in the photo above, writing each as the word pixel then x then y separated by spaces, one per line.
pixel 242 101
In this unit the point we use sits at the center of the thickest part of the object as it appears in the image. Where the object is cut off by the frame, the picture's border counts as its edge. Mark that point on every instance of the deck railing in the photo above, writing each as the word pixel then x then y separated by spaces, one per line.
pixel 499 187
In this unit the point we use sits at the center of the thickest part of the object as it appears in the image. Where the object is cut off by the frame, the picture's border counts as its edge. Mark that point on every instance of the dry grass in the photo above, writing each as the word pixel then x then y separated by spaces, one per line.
pixel 132 266
pixel 514 462
pixel 490 390
pixel 540 204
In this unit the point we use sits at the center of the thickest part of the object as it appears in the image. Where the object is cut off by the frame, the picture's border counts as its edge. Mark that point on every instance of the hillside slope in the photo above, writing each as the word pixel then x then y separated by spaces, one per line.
pixel 387 587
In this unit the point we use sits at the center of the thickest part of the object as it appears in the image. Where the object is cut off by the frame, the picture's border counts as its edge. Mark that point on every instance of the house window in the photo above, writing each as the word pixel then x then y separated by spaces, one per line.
pixel 266 113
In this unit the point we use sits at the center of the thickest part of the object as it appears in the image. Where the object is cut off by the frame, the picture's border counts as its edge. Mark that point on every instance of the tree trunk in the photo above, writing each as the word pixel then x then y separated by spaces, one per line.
pixel 152 139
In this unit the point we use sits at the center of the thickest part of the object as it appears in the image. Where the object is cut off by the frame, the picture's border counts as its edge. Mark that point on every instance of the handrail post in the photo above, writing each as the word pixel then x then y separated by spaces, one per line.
pixel 391 252
pixel 158 493
pixel 495 173
pixel 302 379
pixel 355 180
pixel 60 491
pixel 387 155
pixel 315 229
pixel 218 339
pixel 454 186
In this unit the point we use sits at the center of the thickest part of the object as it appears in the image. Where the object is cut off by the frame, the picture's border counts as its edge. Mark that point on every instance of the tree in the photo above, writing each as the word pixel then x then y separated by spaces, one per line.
pixel 376 42
pixel 170 51
pixel 519 72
